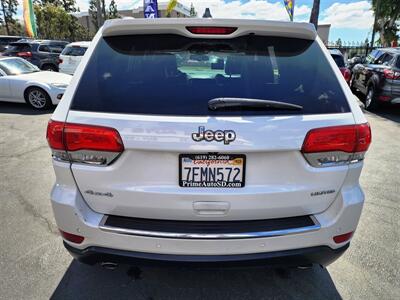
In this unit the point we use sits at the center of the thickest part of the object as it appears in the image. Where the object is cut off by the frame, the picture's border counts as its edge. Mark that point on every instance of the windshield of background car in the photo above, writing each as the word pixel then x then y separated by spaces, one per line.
pixel 16 66
pixel 19 47
pixel 339 60
pixel 74 51
pixel 175 75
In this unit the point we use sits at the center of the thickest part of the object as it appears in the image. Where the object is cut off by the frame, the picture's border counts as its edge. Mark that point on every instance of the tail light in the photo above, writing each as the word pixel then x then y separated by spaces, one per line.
pixel 24 54
pixel 346 74
pixel 338 145
pixel 88 144
pixel 343 237
pixel 77 239
pixel 390 74
pixel 211 30
pixel 60 61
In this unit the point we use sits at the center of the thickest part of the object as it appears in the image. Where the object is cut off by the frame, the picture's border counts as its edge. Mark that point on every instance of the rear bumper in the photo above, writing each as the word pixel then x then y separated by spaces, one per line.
pixel 322 255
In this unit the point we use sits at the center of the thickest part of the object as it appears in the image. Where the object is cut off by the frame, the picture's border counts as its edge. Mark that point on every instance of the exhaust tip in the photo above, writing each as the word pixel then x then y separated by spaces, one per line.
pixel 109 265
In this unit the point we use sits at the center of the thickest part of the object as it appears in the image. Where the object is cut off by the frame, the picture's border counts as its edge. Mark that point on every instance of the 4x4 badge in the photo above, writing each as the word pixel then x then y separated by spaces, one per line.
pixel 219 135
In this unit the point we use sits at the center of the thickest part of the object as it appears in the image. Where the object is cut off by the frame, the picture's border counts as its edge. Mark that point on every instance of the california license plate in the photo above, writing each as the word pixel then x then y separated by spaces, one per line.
pixel 212 170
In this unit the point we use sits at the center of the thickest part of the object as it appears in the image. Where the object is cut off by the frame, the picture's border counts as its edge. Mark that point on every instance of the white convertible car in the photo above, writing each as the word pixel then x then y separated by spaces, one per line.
pixel 20 81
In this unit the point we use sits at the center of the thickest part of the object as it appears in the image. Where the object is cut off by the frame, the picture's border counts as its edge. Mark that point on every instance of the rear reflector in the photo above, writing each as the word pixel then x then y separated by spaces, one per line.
pixel 211 30
pixel 77 239
pixel 342 238
pixel 348 138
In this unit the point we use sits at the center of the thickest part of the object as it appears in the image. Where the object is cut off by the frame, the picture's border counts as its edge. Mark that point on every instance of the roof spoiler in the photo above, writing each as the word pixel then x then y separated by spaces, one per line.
pixel 179 26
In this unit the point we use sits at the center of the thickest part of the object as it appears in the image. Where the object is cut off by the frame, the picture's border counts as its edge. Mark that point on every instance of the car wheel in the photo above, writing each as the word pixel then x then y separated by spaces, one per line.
pixel 37 98
pixel 50 68
pixel 371 103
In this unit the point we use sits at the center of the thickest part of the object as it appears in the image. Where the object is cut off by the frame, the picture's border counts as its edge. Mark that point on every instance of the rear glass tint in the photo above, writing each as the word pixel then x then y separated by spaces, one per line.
pixel 19 47
pixel 74 51
pixel 176 75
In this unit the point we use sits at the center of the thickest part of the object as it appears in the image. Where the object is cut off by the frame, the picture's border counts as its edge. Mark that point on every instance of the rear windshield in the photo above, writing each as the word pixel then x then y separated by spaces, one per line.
pixel 74 51
pixel 339 60
pixel 19 48
pixel 176 75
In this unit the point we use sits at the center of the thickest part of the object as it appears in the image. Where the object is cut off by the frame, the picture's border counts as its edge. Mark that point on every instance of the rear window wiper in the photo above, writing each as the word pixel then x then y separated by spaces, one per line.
pixel 229 102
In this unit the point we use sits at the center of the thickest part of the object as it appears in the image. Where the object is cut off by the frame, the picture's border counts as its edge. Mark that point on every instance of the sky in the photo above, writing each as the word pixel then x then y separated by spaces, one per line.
pixel 351 20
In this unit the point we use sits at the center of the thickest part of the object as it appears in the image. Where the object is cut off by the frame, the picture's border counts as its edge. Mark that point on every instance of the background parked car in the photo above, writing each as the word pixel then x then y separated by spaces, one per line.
pixel 21 81
pixel 42 53
pixel 339 60
pixel 71 56
pixel 378 78
pixel 5 40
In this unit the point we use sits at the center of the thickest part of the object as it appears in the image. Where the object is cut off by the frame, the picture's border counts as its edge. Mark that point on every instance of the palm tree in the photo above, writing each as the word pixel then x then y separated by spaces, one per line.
pixel 315 13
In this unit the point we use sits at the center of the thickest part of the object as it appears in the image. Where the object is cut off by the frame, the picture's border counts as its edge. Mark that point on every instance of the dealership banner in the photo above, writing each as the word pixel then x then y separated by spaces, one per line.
pixel 289 5
pixel 150 9
pixel 29 18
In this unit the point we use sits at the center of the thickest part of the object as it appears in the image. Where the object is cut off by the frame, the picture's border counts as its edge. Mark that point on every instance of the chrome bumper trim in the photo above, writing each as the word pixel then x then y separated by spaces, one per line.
pixel 206 236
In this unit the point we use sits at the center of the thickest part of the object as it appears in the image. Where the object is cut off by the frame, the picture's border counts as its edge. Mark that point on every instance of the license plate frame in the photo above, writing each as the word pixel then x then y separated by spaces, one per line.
pixel 213 157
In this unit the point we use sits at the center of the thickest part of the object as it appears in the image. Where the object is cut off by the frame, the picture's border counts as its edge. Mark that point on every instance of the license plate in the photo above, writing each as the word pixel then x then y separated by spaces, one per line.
pixel 212 170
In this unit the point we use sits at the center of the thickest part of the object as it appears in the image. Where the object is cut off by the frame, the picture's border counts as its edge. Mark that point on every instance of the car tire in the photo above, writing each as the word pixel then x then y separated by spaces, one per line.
pixel 37 98
pixel 50 68
pixel 371 103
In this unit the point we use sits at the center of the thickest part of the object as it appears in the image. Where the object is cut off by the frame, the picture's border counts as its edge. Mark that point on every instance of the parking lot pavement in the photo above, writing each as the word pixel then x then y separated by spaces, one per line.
pixel 34 264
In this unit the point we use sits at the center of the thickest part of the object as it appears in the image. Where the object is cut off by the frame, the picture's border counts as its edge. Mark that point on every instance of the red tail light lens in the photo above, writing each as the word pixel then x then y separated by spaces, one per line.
pixel 342 238
pixel 364 137
pixel 54 135
pixel 88 137
pixel 211 30
pixel 346 73
pixel 24 54
pixel 96 145
pixel 59 61
pixel 77 239
pixel 351 138
pixel 337 145
pixel 390 74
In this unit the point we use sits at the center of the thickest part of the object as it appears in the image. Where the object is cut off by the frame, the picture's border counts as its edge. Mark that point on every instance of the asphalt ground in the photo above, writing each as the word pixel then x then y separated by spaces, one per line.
pixel 35 265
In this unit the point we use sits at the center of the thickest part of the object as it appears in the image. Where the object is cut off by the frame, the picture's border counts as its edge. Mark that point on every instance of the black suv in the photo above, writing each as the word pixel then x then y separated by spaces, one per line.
pixel 42 53
pixel 378 77
pixel 5 40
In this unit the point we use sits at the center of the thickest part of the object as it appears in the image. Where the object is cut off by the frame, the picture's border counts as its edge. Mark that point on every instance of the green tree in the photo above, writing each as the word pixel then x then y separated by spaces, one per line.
pixel 97 12
pixel 315 13
pixel 53 22
pixel 7 13
pixel 93 13
pixel 339 42
pixel 387 15
pixel 68 5
pixel 193 12
pixel 113 10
